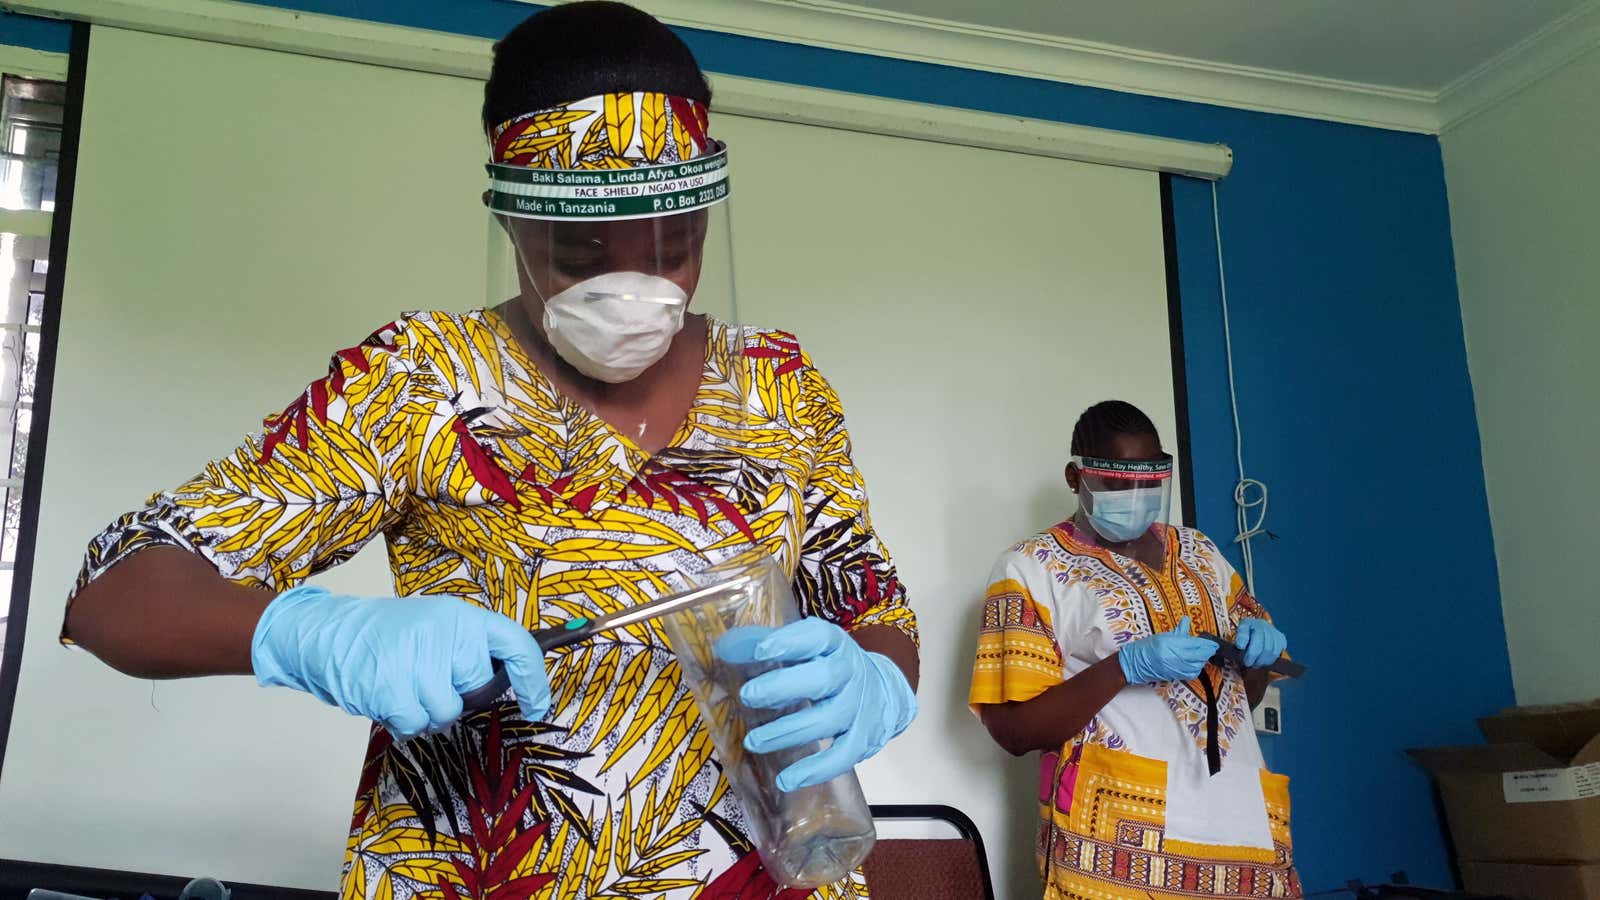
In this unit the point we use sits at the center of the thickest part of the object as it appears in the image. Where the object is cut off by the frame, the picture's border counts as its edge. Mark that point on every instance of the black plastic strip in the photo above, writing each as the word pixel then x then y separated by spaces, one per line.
pixel 1180 371
pixel 1213 741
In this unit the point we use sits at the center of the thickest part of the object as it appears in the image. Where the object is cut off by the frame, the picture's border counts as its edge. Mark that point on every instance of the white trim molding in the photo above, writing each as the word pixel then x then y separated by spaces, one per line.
pixel 845 26
pixel 1544 52
pixel 26 222
pixel 273 28
pixel 276 28
pixel 33 63
pixel 849 27
pixel 949 125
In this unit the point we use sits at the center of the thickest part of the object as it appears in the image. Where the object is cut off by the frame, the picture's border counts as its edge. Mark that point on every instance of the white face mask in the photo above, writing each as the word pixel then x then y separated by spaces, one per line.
pixel 612 327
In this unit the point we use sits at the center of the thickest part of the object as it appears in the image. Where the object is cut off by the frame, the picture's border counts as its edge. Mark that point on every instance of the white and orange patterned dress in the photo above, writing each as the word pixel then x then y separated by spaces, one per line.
pixel 1130 807
pixel 439 434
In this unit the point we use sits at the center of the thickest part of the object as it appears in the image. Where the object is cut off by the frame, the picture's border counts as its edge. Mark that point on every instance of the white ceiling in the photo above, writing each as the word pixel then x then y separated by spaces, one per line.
pixel 1409 44
pixel 1412 65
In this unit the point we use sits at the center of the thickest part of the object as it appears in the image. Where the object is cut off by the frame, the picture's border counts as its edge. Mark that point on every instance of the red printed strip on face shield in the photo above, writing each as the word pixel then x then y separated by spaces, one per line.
pixel 1134 471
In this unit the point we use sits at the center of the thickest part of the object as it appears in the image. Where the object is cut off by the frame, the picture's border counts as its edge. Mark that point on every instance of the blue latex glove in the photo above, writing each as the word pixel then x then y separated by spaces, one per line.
pixel 401 661
pixel 1261 642
pixel 1173 656
pixel 859 700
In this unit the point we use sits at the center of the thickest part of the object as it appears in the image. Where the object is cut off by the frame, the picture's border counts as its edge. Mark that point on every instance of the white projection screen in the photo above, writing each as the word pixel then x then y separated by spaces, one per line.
pixel 240 214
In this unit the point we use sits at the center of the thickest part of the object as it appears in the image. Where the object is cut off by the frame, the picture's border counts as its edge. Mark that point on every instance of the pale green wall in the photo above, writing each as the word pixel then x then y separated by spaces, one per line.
pixel 1524 185
pixel 240 214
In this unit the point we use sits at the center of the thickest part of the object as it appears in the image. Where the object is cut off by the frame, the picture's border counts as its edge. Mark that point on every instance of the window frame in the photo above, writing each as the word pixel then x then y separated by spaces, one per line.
pixel 54 225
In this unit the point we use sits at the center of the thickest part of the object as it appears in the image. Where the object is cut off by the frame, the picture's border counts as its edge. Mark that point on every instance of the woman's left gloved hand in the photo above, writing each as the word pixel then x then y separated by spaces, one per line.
pixel 859 699
pixel 1261 642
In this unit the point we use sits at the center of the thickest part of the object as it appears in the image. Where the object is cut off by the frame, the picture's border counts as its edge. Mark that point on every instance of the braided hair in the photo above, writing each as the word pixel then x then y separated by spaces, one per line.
pixel 579 50
pixel 1102 422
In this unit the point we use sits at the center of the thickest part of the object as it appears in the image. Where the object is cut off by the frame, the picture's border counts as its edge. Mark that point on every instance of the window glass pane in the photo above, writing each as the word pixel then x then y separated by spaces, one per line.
pixel 31 113
pixel 12 528
pixel 31 116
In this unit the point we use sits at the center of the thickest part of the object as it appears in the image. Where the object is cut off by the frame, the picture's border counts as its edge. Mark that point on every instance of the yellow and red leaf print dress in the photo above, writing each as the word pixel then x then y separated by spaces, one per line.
pixel 439 434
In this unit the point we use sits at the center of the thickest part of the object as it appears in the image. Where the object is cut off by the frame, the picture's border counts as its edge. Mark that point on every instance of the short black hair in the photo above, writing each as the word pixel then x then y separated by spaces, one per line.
pixel 580 50
pixel 1103 421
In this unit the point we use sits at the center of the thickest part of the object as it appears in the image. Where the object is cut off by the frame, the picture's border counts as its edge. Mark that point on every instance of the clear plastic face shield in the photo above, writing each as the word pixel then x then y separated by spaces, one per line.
pixel 612 295
pixel 1121 500
pixel 610 234
pixel 610 227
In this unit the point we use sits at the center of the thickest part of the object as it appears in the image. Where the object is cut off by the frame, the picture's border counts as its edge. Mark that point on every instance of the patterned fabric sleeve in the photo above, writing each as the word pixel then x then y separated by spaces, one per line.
pixel 1019 657
pixel 1241 603
pixel 845 574
pixel 325 476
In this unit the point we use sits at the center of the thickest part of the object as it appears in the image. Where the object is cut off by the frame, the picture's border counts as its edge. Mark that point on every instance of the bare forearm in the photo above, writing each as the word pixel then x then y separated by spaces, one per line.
pixel 166 613
pixel 1051 719
pixel 893 643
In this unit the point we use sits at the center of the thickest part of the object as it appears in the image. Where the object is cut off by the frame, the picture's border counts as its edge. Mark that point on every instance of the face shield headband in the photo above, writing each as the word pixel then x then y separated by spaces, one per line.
pixel 607 158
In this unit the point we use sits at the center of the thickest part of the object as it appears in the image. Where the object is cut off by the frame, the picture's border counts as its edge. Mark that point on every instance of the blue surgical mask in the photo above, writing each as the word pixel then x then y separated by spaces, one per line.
pixel 1122 516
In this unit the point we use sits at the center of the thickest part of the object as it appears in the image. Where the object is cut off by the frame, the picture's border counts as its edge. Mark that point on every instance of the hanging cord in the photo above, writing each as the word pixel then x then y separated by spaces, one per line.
pixel 1249 494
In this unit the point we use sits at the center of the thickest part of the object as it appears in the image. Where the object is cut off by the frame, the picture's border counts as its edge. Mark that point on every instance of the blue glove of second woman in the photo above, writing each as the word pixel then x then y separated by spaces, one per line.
pixel 1175 655
pixel 1261 642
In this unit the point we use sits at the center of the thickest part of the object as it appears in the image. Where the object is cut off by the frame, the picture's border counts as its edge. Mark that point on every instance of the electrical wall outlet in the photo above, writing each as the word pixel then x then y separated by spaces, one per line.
pixel 1269 714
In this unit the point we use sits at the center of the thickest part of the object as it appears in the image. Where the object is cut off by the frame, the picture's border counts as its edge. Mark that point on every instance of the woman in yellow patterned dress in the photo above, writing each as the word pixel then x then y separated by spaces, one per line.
pixel 1152 785
pixel 560 455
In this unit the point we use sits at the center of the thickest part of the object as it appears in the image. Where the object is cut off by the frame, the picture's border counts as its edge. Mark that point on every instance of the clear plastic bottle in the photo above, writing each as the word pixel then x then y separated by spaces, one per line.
pixel 807 838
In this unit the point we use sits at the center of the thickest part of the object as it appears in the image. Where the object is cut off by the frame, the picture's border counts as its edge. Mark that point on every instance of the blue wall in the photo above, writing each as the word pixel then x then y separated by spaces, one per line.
pixel 1354 396
pixel 36 34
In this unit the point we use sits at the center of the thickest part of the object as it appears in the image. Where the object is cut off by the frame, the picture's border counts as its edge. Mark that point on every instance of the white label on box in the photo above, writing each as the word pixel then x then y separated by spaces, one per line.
pixel 1548 785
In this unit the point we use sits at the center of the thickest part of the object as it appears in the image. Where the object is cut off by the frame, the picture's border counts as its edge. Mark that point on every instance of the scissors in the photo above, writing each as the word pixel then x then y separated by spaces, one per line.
pixel 582 628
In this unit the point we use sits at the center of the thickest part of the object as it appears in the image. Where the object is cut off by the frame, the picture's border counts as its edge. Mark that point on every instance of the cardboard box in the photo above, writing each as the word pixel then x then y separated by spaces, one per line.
pixel 1524 881
pixel 1530 795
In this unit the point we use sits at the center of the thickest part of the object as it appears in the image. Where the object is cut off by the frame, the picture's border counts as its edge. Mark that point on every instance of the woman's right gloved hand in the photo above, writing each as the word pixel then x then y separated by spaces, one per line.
pixel 402 662
pixel 1173 656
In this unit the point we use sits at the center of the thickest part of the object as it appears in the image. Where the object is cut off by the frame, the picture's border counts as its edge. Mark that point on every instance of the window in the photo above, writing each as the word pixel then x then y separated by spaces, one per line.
pixel 31 114
pixel 30 130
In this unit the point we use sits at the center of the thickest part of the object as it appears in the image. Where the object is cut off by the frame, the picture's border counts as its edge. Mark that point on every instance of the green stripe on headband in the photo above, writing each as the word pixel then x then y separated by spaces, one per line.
pixel 606 194
pixel 591 177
